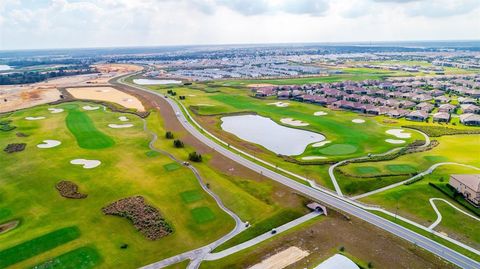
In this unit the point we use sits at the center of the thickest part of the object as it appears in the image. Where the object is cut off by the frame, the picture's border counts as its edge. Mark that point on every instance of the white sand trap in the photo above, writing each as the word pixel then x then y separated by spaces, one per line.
pixel 49 144
pixel 192 95
pixel 321 144
pixel 123 118
pixel 205 105
pixel 293 122
pixel 358 121
pixel 120 126
pixel 399 133
pixel 55 110
pixel 279 104
pixel 309 158
pixel 320 113
pixel 87 164
pixel 34 118
pixel 394 141
pixel 282 259
pixel 90 107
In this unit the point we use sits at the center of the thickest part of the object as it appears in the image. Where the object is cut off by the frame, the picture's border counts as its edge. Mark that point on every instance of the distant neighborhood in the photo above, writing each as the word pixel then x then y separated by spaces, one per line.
pixel 439 98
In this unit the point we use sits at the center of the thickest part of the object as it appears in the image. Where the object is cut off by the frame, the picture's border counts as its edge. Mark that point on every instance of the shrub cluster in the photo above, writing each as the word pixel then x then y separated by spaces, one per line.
pixel 436 131
pixel 178 143
pixel 15 147
pixel 169 135
pixel 195 157
pixel 5 126
pixel 69 189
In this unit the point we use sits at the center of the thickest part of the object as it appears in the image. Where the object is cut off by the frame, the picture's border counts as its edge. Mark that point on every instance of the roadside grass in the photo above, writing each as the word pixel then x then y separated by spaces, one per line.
pixel 202 215
pixel 191 196
pixel 412 201
pixel 172 166
pixel 38 245
pixel 84 130
pixel 263 226
pixel 80 258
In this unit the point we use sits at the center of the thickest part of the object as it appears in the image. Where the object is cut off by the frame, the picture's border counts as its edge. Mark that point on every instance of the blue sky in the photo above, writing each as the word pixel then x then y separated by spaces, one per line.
pixel 29 24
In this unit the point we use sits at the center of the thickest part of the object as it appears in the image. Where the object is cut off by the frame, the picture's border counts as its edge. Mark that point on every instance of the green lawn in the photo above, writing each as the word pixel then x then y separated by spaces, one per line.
pixel 172 166
pixel 400 168
pixel 84 130
pixel 80 258
pixel 202 215
pixel 191 196
pixel 338 149
pixel 38 245
pixel 366 170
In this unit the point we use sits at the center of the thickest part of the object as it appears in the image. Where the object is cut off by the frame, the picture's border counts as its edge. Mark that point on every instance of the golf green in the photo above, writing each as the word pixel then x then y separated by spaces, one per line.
pixel 435 159
pixel 401 168
pixel 202 214
pixel 338 149
pixel 366 170
pixel 80 258
pixel 87 135
pixel 152 153
pixel 191 196
pixel 171 166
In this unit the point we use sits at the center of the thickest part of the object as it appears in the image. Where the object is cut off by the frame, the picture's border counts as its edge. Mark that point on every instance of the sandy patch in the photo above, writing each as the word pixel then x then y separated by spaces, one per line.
pixel 55 110
pixel 87 164
pixel 282 259
pixel 120 126
pixel 399 133
pixel 34 118
pixel 279 104
pixel 358 121
pixel 394 141
pixel 90 107
pixel 108 94
pixel 204 105
pixel 192 95
pixel 259 85
pixel 293 122
pixel 25 96
pixel 49 144
pixel 123 118
pixel 321 144
pixel 320 113
pixel 309 158
pixel 337 261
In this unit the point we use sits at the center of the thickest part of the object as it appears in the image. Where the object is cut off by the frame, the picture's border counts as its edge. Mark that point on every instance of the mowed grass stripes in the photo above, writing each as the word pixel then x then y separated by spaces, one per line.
pixel 37 246
pixel 87 135
pixel 80 258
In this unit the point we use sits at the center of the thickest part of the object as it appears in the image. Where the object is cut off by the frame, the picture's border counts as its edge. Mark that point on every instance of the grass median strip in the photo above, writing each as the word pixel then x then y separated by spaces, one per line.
pixel 37 246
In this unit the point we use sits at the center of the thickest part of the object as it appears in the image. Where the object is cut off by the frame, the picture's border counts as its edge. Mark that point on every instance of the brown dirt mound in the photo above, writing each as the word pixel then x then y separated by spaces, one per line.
pixel 15 147
pixel 8 226
pixel 145 218
pixel 69 189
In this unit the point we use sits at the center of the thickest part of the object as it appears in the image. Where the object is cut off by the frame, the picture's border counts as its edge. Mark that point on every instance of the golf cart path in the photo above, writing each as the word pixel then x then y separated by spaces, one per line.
pixel 262 237
pixel 426 172
pixel 199 253
pixel 439 215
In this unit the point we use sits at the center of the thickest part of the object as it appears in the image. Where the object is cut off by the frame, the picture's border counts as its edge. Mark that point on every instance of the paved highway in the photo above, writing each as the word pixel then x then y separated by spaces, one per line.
pixel 324 197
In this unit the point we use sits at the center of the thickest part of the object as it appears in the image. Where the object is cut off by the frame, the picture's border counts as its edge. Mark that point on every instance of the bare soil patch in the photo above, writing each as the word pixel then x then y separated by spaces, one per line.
pixel 69 190
pixel 145 218
pixel 20 97
pixel 282 259
pixel 8 226
pixel 15 147
pixel 108 94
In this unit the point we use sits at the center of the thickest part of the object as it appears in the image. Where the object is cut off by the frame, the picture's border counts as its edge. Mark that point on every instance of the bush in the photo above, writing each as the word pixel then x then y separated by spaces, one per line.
pixel 342 249
pixel 182 97
pixel 436 131
pixel 178 143
pixel 169 135
pixel 195 157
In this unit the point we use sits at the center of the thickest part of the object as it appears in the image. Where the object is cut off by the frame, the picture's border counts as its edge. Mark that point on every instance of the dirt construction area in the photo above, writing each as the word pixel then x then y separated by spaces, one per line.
pixel 15 98
pixel 107 94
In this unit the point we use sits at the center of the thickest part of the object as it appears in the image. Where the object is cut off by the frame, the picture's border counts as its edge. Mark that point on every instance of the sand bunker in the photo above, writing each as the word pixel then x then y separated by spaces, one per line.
pixel 293 122
pixel 309 158
pixel 123 118
pixel 120 126
pixel 192 95
pixel 49 144
pixel 204 105
pixel 358 121
pixel 279 104
pixel 55 110
pixel 87 164
pixel 399 133
pixel 90 107
pixel 108 94
pixel 321 144
pixel 282 259
pixel 35 118
pixel 320 113
pixel 394 141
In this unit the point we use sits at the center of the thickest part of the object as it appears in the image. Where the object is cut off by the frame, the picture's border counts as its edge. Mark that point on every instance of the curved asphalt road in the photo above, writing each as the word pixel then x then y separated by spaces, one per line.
pixel 324 197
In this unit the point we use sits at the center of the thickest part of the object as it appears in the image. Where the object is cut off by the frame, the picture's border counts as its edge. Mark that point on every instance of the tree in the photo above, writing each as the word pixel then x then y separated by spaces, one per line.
pixel 178 143
pixel 195 157
pixel 169 135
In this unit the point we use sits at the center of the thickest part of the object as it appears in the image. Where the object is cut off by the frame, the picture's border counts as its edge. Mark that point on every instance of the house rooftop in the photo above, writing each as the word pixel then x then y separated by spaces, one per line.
pixel 472 181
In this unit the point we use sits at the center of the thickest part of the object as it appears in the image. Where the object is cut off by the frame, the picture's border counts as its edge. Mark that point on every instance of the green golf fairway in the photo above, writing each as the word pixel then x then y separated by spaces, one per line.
pixel 87 135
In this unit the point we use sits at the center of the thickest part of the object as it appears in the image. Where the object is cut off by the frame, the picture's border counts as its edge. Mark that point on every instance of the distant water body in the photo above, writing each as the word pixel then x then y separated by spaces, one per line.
pixel 273 136
pixel 143 81
pixel 4 67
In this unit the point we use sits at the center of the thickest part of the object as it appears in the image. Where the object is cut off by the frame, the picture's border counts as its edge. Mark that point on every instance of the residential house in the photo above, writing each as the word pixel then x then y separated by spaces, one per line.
pixel 397 113
pixel 468 185
pixel 425 107
pixel 417 115
pixel 264 91
pixel 469 108
pixel 442 99
pixel 470 119
pixel 446 108
pixel 441 117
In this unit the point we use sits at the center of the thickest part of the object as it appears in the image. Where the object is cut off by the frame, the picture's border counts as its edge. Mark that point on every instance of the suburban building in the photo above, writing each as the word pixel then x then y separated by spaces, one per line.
pixel 468 185
pixel 469 108
pixel 441 117
pixel 417 115
pixel 470 119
